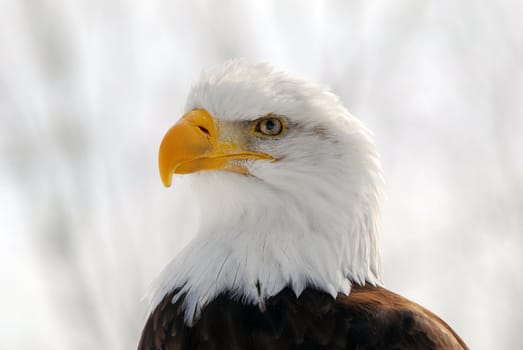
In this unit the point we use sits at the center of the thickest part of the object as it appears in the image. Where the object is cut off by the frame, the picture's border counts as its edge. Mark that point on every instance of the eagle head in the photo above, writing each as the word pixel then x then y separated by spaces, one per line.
pixel 288 186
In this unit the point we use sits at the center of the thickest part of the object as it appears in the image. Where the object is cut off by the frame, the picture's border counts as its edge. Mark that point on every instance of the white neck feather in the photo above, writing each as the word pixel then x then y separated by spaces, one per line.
pixel 261 241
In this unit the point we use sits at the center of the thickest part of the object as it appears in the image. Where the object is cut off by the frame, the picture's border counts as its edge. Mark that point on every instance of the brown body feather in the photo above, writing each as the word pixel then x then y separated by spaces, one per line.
pixel 369 318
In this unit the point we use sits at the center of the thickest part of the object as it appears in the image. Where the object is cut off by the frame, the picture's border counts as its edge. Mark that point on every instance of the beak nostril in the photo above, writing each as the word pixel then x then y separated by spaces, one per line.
pixel 204 130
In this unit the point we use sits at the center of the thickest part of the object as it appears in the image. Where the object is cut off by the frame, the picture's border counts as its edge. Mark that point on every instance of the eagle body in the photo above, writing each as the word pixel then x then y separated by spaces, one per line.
pixel 286 253
pixel 368 318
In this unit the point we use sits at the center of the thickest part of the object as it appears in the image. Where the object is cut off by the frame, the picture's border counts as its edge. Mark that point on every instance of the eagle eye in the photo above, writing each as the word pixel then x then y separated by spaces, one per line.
pixel 269 126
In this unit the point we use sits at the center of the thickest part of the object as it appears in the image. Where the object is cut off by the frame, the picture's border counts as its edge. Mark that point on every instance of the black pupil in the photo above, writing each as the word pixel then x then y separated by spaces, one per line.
pixel 270 125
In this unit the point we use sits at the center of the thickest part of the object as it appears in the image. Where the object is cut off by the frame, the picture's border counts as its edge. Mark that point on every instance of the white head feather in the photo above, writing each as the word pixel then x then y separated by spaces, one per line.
pixel 309 219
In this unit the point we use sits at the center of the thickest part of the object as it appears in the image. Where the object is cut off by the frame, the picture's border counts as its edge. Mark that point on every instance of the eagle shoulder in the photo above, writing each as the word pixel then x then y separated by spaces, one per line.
pixel 380 319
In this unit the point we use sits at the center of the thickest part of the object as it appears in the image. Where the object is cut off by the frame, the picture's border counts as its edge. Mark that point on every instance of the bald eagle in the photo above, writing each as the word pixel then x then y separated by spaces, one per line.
pixel 286 255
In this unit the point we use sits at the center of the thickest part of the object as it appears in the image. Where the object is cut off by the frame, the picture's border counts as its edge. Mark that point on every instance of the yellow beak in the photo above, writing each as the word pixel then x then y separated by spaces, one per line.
pixel 193 144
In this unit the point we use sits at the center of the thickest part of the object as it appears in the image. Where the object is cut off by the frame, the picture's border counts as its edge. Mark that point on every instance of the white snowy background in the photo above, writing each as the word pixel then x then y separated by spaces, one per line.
pixel 88 88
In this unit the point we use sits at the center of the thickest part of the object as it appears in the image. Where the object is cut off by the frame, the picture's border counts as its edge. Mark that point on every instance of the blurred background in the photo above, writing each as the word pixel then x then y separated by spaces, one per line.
pixel 88 88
